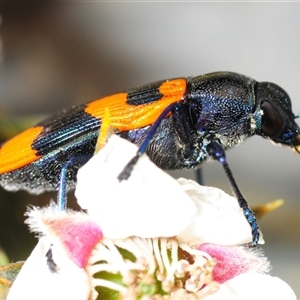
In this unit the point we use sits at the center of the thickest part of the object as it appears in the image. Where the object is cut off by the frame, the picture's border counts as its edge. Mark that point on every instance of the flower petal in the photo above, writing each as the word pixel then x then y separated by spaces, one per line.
pixel 75 232
pixel 149 204
pixel 235 260
pixel 249 286
pixel 37 280
pixel 219 219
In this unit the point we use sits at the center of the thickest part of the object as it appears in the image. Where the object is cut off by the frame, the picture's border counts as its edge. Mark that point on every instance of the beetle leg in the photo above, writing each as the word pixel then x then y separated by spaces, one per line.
pixel 199 177
pixel 126 172
pixel 62 190
pixel 183 125
pixel 216 151
pixel 66 165
pixel 181 118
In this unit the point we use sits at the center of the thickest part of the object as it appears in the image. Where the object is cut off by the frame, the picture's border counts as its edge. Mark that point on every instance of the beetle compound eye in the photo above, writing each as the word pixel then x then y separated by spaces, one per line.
pixel 272 122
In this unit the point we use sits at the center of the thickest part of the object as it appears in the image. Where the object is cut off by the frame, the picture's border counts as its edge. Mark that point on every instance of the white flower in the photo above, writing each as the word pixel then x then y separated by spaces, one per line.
pixel 156 205
pixel 140 204
pixel 253 286
pixel 56 267
pixel 148 237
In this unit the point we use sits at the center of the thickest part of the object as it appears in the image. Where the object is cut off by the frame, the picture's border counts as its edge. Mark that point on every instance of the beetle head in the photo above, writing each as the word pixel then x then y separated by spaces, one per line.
pixel 276 121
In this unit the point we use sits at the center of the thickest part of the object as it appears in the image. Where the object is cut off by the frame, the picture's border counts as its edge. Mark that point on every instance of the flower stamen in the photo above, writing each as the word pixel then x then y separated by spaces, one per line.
pixel 150 269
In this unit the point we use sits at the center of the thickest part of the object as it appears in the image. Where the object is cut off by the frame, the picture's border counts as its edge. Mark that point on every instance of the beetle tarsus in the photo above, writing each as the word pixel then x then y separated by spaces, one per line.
pixel 126 172
pixel 216 151
pixel 248 213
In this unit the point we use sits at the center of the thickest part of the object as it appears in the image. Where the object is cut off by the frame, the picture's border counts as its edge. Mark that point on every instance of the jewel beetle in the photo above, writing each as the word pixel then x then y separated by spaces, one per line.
pixel 179 123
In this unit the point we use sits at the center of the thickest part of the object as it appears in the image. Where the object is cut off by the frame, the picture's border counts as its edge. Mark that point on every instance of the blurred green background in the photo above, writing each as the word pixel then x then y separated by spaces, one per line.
pixel 54 55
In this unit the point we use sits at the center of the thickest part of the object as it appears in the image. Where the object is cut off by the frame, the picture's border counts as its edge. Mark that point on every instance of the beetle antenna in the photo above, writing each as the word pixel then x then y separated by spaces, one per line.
pixel 217 152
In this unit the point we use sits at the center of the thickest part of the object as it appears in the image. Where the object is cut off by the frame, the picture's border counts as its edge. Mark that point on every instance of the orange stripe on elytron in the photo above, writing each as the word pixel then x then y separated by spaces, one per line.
pixel 126 117
pixel 17 152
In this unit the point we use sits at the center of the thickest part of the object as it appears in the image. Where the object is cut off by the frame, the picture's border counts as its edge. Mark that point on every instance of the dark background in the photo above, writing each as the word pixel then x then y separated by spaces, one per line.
pixel 54 55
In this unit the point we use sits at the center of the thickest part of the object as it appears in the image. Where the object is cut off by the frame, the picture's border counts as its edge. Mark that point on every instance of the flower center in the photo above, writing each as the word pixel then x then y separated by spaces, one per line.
pixel 153 268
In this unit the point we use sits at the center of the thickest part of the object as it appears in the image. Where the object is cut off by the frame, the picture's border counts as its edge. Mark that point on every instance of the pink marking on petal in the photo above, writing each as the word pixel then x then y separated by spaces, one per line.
pixel 231 261
pixel 77 235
